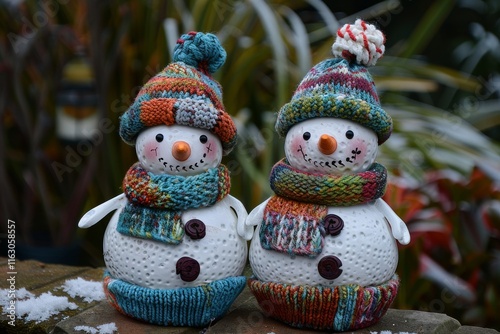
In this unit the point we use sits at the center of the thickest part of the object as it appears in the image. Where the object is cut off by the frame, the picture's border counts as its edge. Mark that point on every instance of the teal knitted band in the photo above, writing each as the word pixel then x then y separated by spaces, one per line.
pixel 196 306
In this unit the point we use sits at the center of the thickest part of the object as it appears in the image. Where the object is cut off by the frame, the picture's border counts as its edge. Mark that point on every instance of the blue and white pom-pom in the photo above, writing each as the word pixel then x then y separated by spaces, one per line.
pixel 361 42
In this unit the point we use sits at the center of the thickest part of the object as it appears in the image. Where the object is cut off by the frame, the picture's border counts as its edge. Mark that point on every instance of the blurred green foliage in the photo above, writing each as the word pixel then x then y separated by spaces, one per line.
pixel 439 80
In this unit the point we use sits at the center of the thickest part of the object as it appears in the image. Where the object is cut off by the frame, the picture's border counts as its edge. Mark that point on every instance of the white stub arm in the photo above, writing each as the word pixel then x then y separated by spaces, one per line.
pixel 255 217
pixel 399 230
pixel 243 231
pixel 100 211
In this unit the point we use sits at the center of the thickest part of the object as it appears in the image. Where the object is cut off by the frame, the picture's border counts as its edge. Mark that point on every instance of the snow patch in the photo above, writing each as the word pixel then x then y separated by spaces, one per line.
pixel 37 308
pixel 389 332
pixel 102 329
pixel 88 290
pixel 32 308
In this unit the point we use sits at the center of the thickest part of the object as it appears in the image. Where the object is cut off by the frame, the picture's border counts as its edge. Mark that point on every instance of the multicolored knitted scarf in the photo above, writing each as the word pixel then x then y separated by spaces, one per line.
pixel 293 218
pixel 156 202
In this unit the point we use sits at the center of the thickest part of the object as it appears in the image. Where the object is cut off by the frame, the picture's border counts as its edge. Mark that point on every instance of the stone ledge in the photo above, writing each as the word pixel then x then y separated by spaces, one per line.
pixel 244 315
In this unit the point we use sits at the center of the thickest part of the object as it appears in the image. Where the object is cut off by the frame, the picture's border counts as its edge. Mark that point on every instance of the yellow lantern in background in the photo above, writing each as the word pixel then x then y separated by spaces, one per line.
pixel 76 113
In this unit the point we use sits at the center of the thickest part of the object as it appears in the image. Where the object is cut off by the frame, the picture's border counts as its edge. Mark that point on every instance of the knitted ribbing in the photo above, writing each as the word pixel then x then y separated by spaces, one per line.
pixel 196 306
pixel 155 202
pixel 328 189
pixel 340 308
pixel 293 227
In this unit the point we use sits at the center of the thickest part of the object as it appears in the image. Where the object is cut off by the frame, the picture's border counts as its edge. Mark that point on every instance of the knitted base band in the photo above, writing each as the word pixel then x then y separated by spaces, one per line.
pixel 196 306
pixel 342 308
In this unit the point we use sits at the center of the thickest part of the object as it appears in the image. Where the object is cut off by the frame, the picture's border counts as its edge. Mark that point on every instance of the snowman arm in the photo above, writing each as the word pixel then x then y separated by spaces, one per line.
pixel 100 211
pixel 243 231
pixel 255 217
pixel 398 227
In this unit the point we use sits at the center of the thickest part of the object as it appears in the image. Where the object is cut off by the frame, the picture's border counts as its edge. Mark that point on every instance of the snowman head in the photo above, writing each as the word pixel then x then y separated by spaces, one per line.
pixel 334 121
pixel 330 145
pixel 180 104
pixel 178 150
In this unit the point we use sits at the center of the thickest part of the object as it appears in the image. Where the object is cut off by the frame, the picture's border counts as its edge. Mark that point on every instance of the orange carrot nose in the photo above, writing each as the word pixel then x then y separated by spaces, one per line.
pixel 327 144
pixel 181 150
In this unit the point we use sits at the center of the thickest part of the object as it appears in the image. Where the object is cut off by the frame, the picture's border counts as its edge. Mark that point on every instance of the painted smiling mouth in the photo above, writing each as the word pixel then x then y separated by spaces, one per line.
pixel 178 168
pixel 330 164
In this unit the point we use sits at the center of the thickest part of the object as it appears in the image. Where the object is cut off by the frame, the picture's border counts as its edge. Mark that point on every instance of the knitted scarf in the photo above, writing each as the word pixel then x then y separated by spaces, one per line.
pixel 156 202
pixel 293 218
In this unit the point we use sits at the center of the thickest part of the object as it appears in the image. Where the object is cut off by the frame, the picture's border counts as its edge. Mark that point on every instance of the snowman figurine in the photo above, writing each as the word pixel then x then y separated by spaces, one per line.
pixel 324 252
pixel 176 247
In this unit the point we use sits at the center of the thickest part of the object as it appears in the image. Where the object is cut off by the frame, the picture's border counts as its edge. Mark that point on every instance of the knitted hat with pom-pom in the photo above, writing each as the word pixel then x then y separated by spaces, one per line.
pixel 184 93
pixel 342 87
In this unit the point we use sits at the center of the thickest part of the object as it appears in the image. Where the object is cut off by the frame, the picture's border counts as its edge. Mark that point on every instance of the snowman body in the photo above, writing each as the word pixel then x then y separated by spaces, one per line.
pixel 364 246
pixel 221 253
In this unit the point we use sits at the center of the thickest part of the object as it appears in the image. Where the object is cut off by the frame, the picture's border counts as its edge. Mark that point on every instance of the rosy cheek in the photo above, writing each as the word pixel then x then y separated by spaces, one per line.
pixel 150 151
pixel 213 153
pixel 360 149
pixel 296 146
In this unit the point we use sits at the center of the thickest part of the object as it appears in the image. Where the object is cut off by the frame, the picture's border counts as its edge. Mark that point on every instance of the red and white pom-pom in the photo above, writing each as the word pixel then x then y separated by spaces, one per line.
pixel 360 41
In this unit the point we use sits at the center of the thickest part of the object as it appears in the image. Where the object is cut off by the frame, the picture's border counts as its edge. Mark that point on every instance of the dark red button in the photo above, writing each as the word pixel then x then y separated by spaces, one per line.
pixel 195 229
pixel 329 267
pixel 333 224
pixel 188 268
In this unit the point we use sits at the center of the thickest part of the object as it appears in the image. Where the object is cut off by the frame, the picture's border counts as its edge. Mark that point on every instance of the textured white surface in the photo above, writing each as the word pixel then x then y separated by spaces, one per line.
pixel 156 156
pixel 304 154
pixel 365 246
pixel 221 253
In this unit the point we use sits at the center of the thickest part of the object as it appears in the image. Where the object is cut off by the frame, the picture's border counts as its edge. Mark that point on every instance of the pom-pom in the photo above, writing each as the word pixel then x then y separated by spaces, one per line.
pixel 200 50
pixel 359 41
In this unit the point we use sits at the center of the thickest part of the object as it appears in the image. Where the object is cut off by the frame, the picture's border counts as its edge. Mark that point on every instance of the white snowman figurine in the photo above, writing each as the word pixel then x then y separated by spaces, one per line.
pixel 176 247
pixel 324 252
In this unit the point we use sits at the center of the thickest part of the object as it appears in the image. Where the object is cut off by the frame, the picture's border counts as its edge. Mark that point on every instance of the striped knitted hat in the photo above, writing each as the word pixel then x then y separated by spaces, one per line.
pixel 341 87
pixel 341 308
pixel 184 93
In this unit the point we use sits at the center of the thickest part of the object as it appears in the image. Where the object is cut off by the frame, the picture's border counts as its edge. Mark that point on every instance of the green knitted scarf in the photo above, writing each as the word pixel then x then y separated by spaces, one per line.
pixel 156 202
pixel 293 218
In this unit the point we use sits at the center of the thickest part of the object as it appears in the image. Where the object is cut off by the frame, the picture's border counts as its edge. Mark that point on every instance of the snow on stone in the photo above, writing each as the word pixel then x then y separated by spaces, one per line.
pixel 102 329
pixel 32 308
pixel 42 307
pixel 86 329
pixel 88 290
pixel 389 332
pixel 20 294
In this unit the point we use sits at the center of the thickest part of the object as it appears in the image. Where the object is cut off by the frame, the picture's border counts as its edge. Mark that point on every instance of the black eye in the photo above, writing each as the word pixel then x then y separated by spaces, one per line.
pixel 349 134
pixel 306 135
pixel 159 137
pixel 203 139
